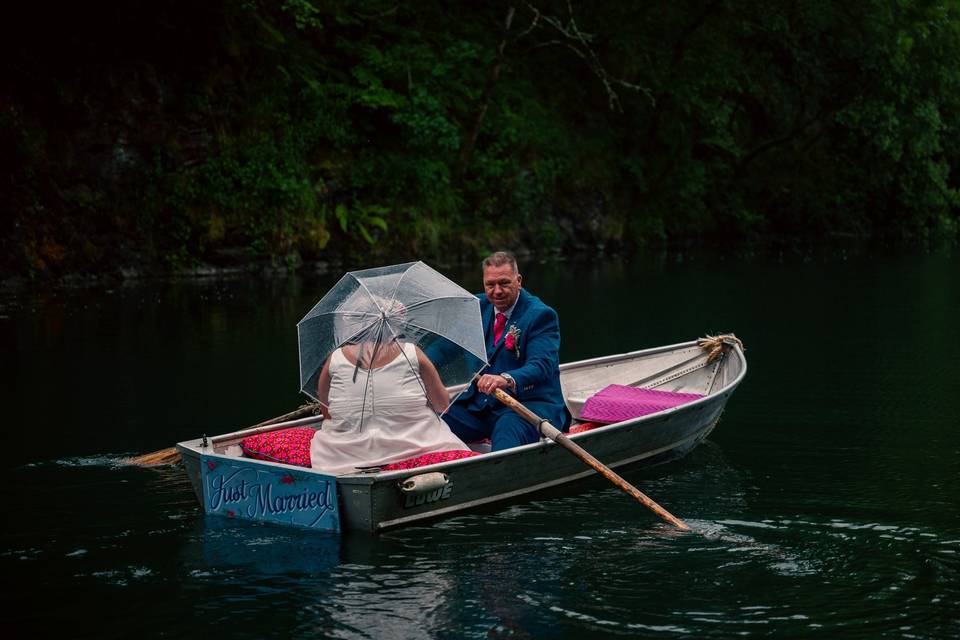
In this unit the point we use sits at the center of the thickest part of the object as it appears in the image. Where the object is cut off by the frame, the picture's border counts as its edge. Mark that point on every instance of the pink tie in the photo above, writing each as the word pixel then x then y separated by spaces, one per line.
pixel 498 324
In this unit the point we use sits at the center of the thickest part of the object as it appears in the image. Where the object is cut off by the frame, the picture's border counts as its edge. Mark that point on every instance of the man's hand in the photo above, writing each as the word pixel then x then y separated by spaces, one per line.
pixel 489 383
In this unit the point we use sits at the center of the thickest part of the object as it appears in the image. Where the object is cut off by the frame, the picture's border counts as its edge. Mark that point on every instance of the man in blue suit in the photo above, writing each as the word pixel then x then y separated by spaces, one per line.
pixel 523 344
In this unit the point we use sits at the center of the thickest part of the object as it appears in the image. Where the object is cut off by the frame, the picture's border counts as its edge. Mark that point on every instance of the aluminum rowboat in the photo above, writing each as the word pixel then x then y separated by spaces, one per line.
pixel 375 500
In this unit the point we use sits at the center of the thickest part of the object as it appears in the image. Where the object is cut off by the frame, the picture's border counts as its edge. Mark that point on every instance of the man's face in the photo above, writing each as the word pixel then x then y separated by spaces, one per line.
pixel 501 285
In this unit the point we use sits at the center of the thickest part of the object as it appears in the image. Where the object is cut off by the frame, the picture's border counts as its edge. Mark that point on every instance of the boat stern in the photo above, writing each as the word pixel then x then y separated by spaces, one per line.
pixel 189 451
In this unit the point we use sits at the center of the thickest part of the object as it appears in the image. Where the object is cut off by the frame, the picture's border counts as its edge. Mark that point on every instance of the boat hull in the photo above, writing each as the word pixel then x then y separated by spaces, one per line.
pixel 377 501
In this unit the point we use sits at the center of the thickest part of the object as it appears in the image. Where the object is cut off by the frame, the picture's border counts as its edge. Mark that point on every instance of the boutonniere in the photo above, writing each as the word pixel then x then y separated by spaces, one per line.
pixel 512 340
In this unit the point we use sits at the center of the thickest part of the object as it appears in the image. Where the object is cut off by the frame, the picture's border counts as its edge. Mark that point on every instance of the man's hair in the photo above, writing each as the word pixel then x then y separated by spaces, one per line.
pixel 500 258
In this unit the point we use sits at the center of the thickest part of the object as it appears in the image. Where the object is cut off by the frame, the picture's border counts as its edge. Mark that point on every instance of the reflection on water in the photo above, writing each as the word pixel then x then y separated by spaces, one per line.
pixel 260 549
pixel 824 504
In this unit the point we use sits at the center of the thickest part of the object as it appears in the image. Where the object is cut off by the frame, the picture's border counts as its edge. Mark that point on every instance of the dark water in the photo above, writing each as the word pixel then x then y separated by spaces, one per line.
pixel 827 500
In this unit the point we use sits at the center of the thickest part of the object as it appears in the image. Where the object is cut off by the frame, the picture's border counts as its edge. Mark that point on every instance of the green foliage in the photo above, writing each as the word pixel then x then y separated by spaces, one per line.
pixel 304 130
pixel 363 219
pixel 305 14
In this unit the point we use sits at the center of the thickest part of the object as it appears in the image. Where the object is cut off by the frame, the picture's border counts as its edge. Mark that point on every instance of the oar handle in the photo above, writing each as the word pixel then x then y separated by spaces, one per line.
pixel 557 436
pixel 170 455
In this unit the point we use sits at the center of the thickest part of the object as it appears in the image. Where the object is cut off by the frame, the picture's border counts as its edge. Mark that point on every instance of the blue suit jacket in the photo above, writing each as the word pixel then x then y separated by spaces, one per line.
pixel 536 369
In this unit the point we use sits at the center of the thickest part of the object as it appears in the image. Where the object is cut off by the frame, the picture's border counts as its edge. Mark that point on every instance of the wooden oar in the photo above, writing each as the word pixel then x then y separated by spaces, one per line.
pixel 170 455
pixel 557 436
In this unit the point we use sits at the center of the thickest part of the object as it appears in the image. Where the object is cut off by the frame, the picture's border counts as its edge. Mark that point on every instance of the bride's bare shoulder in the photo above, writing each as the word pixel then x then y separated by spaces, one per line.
pixel 349 352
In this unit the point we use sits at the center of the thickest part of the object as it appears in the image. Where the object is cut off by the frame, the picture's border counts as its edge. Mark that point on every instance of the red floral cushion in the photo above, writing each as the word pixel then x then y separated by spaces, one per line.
pixel 585 426
pixel 289 446
pixel 429 458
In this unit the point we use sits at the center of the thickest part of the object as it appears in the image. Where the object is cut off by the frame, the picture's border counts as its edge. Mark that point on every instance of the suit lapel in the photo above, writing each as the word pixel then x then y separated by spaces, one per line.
pixel 518 311
pixel 487 318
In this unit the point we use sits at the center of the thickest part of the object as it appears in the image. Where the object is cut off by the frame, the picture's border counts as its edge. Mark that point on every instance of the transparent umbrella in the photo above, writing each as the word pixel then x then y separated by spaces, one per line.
pixel 408 302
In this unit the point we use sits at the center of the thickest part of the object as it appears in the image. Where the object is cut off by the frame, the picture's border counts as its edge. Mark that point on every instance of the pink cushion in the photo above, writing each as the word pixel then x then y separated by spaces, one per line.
pixel 429 458
pixel 617 403
pixel 289 446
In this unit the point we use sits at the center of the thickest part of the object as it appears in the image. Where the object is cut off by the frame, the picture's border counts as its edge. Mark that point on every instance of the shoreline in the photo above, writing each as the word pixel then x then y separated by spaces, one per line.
pixel 267 268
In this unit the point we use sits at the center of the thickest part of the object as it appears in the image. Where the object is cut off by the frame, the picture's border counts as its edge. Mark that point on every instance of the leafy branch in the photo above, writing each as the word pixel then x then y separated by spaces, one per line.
pixel 579 42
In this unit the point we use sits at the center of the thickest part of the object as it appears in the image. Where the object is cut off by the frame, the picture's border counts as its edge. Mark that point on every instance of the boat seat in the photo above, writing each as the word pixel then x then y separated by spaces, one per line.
pixel 480 446
pixel 576 400
pixel 292 446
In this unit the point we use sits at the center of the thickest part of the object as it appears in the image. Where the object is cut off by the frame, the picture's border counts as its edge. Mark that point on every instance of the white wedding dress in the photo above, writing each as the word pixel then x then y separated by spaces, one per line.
pixel 397 422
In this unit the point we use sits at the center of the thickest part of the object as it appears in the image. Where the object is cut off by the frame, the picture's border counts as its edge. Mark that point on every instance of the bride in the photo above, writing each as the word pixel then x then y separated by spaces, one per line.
pixel 380 403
